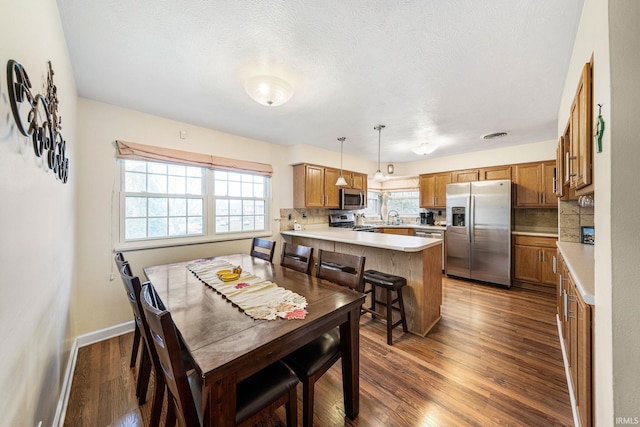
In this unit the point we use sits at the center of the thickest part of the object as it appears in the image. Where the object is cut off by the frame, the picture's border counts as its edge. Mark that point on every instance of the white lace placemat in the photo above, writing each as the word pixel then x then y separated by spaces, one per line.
pixel 256 297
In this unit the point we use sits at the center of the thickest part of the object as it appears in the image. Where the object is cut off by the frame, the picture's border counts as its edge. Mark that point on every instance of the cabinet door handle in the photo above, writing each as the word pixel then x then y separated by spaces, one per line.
pixel 555 266
pixel 566 305
pixel 540 256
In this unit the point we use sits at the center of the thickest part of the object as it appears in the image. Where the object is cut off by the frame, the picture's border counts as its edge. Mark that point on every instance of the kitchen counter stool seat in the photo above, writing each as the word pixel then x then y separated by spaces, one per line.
pixel 389 283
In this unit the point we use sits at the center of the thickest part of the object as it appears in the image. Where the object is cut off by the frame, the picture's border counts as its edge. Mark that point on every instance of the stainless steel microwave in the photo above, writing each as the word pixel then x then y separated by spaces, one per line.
pixel 352 199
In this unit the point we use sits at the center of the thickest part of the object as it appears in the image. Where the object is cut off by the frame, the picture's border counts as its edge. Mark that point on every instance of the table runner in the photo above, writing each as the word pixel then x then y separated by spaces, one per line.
pixel 256 297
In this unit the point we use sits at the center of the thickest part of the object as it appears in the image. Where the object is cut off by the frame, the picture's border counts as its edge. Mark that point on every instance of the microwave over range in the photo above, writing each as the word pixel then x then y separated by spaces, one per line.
pixel 352 199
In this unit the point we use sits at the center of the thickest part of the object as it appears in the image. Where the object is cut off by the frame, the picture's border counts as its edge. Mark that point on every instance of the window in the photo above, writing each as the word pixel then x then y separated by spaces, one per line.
pixel 163 201
pixel 405 202
pixel 373 203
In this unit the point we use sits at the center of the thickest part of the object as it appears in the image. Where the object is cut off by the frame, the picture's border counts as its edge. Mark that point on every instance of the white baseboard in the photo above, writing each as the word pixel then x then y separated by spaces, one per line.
pixel 106 333
pixel 82 341
pixel 565 358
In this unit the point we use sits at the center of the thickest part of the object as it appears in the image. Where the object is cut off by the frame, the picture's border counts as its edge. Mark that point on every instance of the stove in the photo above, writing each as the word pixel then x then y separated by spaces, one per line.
pixel 347 220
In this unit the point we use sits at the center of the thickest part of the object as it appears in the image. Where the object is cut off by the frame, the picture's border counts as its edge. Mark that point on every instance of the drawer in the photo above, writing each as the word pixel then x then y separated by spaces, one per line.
pixel 543 242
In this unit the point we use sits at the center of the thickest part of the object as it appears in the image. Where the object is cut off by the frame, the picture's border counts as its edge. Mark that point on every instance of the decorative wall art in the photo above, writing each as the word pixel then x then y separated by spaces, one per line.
pixel 36 116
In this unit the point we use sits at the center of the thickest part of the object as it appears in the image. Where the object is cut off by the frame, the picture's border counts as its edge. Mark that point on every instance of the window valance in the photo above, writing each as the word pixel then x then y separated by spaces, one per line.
pixel 134 151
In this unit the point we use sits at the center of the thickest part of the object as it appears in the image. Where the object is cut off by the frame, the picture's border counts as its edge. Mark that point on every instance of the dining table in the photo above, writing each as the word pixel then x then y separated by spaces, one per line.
pixel 227 345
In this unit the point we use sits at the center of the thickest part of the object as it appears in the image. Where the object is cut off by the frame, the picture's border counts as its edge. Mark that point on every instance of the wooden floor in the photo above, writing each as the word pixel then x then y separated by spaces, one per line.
pixel 493 359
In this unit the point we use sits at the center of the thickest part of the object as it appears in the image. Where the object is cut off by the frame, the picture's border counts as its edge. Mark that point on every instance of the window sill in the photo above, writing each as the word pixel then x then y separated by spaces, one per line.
pixel 168 243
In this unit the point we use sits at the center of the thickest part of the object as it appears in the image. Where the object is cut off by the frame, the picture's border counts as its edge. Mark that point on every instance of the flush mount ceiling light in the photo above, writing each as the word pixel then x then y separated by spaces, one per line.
pixel 341 182
pixel 425 148
pixel 495 135
pixel 378 176
pixel 268 90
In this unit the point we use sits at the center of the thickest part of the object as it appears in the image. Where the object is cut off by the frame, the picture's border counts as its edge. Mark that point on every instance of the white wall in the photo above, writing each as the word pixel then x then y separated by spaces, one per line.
pixel 36 226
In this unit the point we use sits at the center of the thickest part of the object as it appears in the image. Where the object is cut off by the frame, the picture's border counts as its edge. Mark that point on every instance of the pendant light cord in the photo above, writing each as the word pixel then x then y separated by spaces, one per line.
pixel 379 129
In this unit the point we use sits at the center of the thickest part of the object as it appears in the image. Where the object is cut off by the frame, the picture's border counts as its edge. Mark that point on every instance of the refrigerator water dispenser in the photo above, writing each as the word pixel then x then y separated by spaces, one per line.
pixel 457 216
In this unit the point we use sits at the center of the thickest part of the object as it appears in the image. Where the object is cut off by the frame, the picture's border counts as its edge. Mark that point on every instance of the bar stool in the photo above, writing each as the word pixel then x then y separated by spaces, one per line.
pixel 389 283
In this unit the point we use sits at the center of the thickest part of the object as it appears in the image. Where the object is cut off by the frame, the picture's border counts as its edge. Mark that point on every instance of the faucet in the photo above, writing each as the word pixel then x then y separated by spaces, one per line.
pixel 395 215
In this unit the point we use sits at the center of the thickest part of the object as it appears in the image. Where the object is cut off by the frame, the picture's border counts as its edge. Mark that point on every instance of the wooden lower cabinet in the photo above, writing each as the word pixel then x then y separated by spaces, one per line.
pixel 533 262
pixel 405 231
pixel 575 318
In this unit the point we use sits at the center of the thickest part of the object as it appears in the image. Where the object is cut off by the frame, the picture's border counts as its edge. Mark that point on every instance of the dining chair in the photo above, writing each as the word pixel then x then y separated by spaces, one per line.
pixel 311 361
pixel 257 396
pixel 262 248
pixel 149 357
pixel 296 257
pixel 121 262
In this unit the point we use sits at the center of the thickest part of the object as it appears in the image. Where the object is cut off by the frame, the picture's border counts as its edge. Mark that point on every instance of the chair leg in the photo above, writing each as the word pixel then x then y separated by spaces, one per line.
pixel 136 344
pixel 389 316
pixel 171 414
pixel 158 397
pixel 307 403
pixel 403 318
pixel 292 408
pixel 144 372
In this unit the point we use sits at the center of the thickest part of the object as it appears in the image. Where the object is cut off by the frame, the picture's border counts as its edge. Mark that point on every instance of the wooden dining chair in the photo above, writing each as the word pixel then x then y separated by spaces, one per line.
pixel 149 358
pixel 262 248
pixel 257 396
pixel 120 263
pixel 311 361
pixel 296 257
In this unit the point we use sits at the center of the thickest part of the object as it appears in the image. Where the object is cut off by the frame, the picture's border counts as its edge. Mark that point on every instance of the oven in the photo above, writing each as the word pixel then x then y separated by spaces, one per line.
pixel 351 199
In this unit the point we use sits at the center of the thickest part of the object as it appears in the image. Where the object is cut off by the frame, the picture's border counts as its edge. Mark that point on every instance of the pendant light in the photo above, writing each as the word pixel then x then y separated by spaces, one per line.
pixel 341 182
pixel 378 176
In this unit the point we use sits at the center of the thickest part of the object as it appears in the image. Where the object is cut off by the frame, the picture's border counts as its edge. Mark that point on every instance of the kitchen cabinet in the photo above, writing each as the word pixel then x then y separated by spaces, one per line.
pixel 575 317
pixel 562 187
pixel 469 175
pixel 533 259
pixel 315 187
pixel 405 231
pixel 581 143
pixel 534 185
pixel 496 172
pixel 433 190
pixel 357 181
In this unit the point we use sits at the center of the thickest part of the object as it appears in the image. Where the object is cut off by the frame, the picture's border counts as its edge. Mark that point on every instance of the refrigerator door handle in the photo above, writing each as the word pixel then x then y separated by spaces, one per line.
pixel 472 219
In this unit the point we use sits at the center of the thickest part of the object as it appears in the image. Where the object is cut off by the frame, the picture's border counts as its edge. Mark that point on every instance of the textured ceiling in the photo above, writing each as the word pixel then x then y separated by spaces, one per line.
pixel 430 70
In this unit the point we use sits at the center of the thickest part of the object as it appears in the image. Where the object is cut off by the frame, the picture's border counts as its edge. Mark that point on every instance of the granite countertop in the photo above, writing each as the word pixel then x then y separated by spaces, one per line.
pixel 579 260
pixel 377 240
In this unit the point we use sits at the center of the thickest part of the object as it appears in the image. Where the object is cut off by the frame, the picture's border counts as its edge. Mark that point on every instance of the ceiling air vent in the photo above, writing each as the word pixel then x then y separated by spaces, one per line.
pixel 495 135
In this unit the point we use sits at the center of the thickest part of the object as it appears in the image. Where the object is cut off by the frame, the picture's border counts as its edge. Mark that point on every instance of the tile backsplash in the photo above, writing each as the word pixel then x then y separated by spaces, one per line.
pixel 303 216
pixel 572 218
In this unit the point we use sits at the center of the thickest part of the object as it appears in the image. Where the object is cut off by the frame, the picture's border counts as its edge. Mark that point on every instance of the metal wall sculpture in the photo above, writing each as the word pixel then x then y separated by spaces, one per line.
pixel 36 116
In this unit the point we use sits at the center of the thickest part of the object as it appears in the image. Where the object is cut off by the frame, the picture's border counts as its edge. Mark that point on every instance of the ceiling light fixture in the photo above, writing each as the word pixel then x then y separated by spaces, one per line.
pixel 268 90
pixel 425 148
pixel 341 182
pixel 378 176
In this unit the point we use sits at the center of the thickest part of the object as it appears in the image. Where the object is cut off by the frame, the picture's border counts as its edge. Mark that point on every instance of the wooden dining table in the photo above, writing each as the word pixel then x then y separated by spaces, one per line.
pixel 228 346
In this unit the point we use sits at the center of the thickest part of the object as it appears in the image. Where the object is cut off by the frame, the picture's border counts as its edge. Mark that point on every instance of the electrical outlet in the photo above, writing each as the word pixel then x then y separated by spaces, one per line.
pixel 289 217
pixel 304 214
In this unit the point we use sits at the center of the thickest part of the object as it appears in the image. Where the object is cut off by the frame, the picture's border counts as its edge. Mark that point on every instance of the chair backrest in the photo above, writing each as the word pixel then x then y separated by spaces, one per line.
pixel 296 257
pixel 263 248
pixel 165 339
pixel 121 263
pixel 343 269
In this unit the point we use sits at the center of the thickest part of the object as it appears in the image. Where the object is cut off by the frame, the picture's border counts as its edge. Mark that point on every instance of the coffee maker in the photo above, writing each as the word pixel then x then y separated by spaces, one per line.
pixel 427 218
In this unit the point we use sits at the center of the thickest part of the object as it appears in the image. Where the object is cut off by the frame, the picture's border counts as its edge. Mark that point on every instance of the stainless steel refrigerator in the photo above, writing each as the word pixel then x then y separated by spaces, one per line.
pixel 479 231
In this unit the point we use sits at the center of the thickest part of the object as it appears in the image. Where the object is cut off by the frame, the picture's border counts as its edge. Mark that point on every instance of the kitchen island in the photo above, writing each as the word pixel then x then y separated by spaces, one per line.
pixel 418 259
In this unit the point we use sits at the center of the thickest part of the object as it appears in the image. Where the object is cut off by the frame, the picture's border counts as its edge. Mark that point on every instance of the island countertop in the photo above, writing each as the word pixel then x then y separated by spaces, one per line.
pixel 376 240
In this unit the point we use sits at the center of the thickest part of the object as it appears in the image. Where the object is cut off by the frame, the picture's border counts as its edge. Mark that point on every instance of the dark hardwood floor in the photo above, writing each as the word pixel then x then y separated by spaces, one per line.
pixel 493 359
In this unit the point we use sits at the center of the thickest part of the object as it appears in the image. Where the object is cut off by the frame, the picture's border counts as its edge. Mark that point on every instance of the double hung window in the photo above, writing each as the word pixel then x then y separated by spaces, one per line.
pixel 161 201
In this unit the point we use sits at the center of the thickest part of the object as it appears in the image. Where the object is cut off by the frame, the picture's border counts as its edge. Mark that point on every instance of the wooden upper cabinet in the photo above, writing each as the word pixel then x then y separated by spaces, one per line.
pixel 496 172
pixel 433 190
pixel 469 175
pixel 357 181
pixel 534 185
pixel 581 143
pixel 315 187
